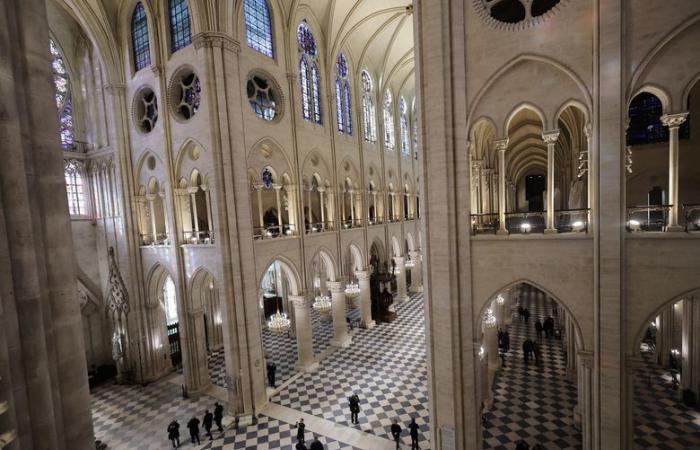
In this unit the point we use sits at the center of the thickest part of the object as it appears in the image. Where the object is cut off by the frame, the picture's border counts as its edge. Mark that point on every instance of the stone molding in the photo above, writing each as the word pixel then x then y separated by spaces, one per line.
pixel 211 39
pixel 674 120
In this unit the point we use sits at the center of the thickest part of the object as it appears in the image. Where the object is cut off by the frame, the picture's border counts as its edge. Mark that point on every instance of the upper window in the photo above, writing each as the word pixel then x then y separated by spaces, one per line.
pixel 389 137
pixel 139 38
pixel 343 103
pixel 63 97
pixel 180 31
pixel 170 302
pixel 75 188
pixel 258 26
pixel 415 138
pixel 369 115
pixel 645 125
pixel 262 97
pixel 518 13
pixel 309 74
pixel 405 133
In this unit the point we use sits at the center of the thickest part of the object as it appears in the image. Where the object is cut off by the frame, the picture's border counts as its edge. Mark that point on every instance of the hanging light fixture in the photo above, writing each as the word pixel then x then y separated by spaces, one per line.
pixel 322 304
pixel 279 323
pixel 352 288
pixel 489 319
pixel 500 299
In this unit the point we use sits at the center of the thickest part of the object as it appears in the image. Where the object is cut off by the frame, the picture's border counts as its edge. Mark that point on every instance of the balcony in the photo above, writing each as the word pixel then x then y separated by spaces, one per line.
pixel 198 238
pixel 352 223
pixel 320 227
pixel 648 218
pixel 565 221
pixel 691 213
pixel 274 232
pixel 149 240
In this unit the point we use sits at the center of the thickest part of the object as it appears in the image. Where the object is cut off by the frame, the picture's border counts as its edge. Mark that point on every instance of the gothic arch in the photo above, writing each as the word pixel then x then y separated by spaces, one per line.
pixel 289 270
pixel 328 261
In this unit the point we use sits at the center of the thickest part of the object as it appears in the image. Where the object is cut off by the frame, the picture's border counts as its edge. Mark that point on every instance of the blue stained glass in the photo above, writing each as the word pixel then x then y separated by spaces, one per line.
pixel 645 125
pixel 342 96
pixel 258 26
pixel 139 38
pixel 309 75
pixel 307 43
pixel 389 137
pixel 405 139
pixel 368 111
pixel 63 97
pixel 180 30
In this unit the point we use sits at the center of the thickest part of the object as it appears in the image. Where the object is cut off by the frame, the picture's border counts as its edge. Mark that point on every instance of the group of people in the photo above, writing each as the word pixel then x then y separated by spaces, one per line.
pixel 532 348
pixel 547 327
pixel 523 313
pixel 413 428
pixel 301 441
pixel 208 422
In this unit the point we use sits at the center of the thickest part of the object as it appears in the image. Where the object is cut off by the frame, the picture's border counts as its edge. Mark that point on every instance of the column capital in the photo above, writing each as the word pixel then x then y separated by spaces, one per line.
pixel 150 197
pixel 209 39
pixel 551 136
pixel 336 287
pixel 414 254
pixel 204 187
pixel 399 260
pixel 192 190
pixel 674 120
pixel 501 144
pixel 299 301
pixel 362 275
pixel 277 187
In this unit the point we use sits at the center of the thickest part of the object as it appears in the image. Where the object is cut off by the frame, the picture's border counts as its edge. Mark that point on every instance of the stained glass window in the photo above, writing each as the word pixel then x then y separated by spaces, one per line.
pixel 415 138
pixel 258 26
pixel 342 96
pixel 139 38
pixel 389 137
pixel 261 96
pixel 405 137
pixel 74 188
pixel 308 74
pixel 170 302
pixel 63 97
pixel 180 31
pixel 645 125
pixel 369 115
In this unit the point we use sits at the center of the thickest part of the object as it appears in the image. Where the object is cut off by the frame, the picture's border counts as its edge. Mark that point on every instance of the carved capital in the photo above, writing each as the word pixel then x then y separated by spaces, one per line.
pixel 501 144
pixel 362 275
pixel 336 287
pixel 300 301
pixel 550 137
pixel 674 120
pixel 211 39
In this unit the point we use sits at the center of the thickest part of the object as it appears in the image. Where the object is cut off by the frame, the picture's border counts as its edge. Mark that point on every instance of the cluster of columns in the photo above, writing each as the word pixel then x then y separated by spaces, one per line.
pixel 187 198
pixel 673 122
pixel 149 230
pixel 258 188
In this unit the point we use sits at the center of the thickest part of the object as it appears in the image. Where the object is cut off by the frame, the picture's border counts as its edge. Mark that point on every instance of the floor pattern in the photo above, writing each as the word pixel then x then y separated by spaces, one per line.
pixel 661 420
pixel 136 417
pixel 532 403
pixel 384 366
pixel 268 434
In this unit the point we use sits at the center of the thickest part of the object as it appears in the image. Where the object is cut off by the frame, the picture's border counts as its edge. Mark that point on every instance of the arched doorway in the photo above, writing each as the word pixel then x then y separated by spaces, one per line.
pixel 667 376
pixel 205 298
pixel 322 271
pixel 527 377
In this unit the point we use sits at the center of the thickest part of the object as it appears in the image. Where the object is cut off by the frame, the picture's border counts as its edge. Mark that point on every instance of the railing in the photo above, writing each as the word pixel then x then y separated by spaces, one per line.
pixel 525 223
pixel 393 219
pixel 198 237
pixel 647 217
pixel 160 239
pixel 320 227
pixel 572 220
pixel 692 217
pixel 409 217
pixel 273 231
pixel 484 223
pixel 352 223
pixel 375 221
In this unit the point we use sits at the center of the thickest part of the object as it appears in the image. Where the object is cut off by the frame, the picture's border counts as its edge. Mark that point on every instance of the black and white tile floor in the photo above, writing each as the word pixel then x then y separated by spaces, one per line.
pixel 661 420
pixel 385 366
pixel 532 403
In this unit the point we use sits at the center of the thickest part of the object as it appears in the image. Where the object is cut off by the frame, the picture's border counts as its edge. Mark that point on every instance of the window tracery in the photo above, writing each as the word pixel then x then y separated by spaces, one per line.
pixel 139 38
pixel 342 96
pixel 64 102
pixel 258 26
pixel 405 138
pixel 369 115
pixel 516 13
pixel 308 74
pixel 389 137
pixel 180 29
pixel 75 188
pixel 262 97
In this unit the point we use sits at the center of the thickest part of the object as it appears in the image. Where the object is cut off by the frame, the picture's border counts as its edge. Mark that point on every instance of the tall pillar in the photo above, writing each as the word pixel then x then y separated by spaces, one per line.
pixel 207 201
pixel 341 337
pixel 352 208
pixel 154 230
pixel 673 122
pixel 550 138
pixel 302 326
pixel 365 298
pixel 278 201
pixel 261 221
pixel 400 279
pixel 664 336
pixel 491 345
pixel 501 146
pixel 416 272
pixel 322 191
pixel 583 411
pixel 374 203
pixel 690 349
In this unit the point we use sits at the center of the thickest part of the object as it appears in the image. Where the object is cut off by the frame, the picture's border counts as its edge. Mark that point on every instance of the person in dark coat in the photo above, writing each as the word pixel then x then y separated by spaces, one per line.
pixel 526 314
pixel 413 430
pixel 521 313
pixel 316 444
pixel 549 327
pixel 538 328
pixel 536 351
pixel 271 372
pixel 506 341
pixel 301 428
pixel 218 415
pixel 300 446
pixel 174 433
pixel 354 401
pixel 526 350
pixel 208 421
pixel 396 432
pixel 193 426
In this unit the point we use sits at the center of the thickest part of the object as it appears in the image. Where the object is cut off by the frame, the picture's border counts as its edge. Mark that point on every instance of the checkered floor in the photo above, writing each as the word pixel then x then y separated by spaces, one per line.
pixel 268 434
pixel 532 403
pixel 136 418
pixel 384 366
pixel 661 420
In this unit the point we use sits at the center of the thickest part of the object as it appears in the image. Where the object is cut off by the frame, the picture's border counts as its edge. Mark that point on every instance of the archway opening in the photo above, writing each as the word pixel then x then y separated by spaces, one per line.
pixel 172 321
pixel 322 272
pixel 527 350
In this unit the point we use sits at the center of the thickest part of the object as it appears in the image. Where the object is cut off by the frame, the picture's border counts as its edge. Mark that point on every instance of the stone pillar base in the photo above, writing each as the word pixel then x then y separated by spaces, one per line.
pixel 342 342
pixel 550 231
pixel 502 233
pixel 416 289
pixel 197 393
pixel 675 228
pixel 370 324
pixel 307 367
pixel 244 420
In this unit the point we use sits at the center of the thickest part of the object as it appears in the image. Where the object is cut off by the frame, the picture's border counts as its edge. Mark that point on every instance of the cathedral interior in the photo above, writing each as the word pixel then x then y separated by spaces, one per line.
pixel 479 218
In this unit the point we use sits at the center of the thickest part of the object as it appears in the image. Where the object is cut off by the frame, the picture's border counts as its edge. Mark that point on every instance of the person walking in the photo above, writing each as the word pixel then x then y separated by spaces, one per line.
pixel 316 444
pixel 526 350
pixel 193 426
pixel 506 341
pixel 538 328
pixel 218 416
pixel 301 428
pixel 271 373
pixel 413 430
pixel 521 313
pixel 208 421
pixel 354 401
pixel 174 433
pixel 549 327
pixel 536 351
pixel 300 446
pixel 396 432
pixel 526 314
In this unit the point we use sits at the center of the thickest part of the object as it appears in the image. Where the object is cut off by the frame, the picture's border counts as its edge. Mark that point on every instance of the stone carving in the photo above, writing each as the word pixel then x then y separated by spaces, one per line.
pixel 117 297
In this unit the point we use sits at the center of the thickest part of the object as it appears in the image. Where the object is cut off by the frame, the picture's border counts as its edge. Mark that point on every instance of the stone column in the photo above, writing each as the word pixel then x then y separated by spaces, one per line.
pixel 154 230
pixel 207 201
pixel 302 325
pixel 583 411
pixel 340 325
pixel 550 138
pixel 365 298
pixel 374 203
pixel 570 346
pixel 491 345
pixel 261 222
pixel 690 349
pixel 664 336
pixel 400 279
pixel 673 122
pixel 321 191
pixel 501 146
pixel 416 272
pixel 352 208
pixel 278 201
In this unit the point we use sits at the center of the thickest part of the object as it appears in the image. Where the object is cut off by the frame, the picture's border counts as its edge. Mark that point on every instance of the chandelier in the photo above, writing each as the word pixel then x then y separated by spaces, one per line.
pixel 352 288
pixel 322 304
pixel 279 323
pixel 489 319
pixel 500 300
